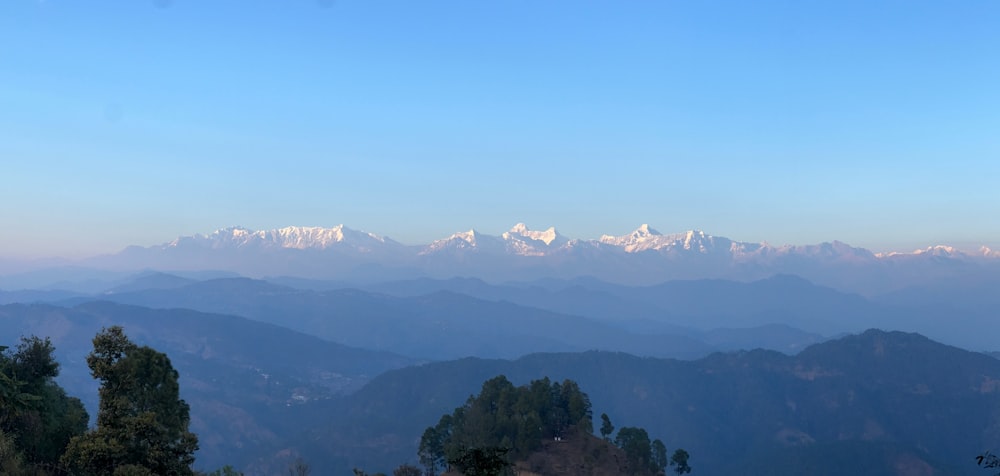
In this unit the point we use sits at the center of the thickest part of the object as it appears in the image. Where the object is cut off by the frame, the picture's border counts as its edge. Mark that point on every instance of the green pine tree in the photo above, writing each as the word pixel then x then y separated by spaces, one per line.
pixel 142 424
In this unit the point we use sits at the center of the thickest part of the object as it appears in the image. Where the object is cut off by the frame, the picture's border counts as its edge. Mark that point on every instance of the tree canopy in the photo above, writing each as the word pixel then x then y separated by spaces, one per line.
pixel 644 455
pixel 37 418
pixel 142 424
pixel 504 421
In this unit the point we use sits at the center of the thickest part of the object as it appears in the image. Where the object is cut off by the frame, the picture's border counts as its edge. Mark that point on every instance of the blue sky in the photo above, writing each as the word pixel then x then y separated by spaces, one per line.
pixel 132 122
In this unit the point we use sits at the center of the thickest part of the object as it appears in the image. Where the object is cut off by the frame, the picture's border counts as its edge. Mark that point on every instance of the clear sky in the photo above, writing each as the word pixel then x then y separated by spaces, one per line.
pixel 133 122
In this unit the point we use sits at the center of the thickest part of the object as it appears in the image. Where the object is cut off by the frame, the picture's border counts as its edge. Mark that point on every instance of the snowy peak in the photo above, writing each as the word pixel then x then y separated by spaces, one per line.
pixel 943 251
pixel 640 256
pixel 322 238
pixel 291 237
pixel 939 250
pixel 645 238
pixel 464 241
pixel 221 238
pixel 469 237
pixel 696 238
pixel 645 230
pixel 520 240
pixel 521 230
pixel 525 242
pixel 643 233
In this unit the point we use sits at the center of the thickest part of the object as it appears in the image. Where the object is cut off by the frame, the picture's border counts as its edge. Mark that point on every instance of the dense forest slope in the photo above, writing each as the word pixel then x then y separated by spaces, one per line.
pixel 542 428
pixel 877 400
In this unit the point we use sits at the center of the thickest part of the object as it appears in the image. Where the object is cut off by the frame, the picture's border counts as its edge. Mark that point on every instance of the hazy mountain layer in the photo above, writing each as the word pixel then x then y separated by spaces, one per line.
pixel 441 325
pixel 460 317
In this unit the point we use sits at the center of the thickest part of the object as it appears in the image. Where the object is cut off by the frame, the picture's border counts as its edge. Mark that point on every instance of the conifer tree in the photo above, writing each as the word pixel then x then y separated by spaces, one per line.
pixel 142 424
pixel 606 427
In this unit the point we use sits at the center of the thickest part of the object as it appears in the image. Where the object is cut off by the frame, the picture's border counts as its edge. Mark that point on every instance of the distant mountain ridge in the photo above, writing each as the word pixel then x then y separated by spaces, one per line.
pixel 456 317
pixel 643 256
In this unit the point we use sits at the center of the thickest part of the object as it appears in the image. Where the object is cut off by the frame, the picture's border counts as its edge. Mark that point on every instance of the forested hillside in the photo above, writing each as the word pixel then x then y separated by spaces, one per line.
pixel 887 398
pixel 506 427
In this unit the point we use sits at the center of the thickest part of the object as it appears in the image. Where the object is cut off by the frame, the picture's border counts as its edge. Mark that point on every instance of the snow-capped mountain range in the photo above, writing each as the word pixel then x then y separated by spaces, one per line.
pixel 641 257
pixel 522 241
pixel 294 237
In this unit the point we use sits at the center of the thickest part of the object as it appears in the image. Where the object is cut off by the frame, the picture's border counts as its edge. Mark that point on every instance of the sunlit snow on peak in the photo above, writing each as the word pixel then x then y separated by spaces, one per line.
pixel 521 230
pixel 292 237
pixel 939 250
pixel 520 240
